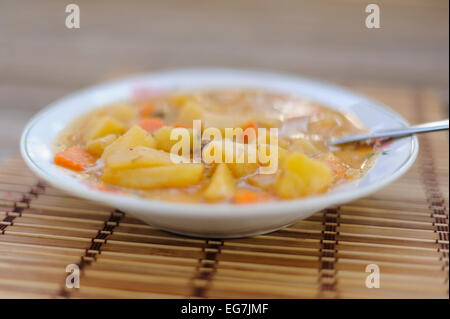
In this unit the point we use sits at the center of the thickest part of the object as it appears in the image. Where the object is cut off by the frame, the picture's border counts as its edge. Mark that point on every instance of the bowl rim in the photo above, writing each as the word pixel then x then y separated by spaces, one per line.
pixel 135 203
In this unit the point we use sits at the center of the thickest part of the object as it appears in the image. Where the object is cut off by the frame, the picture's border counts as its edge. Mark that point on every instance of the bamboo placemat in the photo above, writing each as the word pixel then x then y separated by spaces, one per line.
pixel 403 229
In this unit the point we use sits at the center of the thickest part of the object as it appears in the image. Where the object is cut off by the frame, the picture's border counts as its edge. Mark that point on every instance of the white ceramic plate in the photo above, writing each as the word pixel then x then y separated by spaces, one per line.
pixel 219 220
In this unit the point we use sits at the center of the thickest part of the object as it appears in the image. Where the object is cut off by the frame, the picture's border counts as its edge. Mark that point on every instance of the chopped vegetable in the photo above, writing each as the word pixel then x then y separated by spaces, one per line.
pixel 146 109
pixel 222 185
pixel 151 124
pixel 163 141
pixel 104 126
pixel 242 169
pixel 302 176
pixel 250 132
pixel 189 112
pixel 180 99
pixel 181 125
pixel 75 158
pixel 98 146
pixel 232 153
pixel 123 112
pixel 138 157
pixel 180 175
pixel 244 196
pixel 135 136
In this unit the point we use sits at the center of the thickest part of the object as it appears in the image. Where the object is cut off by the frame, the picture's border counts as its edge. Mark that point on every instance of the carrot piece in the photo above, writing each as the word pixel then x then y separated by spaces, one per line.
pixel 250 131
pixel 75 158
pixel 245 196
pixel 180 125
pixel 146 110
pixel 252 125
pixel 151 124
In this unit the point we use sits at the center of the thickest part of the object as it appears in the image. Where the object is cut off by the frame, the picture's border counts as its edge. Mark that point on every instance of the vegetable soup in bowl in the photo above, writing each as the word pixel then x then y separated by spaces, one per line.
pixel 215 152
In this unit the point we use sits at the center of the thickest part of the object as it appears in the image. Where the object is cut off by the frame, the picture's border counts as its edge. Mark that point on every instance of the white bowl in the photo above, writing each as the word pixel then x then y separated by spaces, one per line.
pixel 216 220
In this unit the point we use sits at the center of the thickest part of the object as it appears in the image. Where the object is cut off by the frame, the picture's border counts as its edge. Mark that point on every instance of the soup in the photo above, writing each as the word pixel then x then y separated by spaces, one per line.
pixel 219 146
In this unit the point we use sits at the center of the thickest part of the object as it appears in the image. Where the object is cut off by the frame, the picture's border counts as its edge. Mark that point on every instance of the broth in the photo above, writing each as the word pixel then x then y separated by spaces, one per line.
pixel 126 147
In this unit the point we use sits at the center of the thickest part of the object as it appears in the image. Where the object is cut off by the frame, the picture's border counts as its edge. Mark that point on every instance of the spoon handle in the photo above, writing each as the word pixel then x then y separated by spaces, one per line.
pixel 401 132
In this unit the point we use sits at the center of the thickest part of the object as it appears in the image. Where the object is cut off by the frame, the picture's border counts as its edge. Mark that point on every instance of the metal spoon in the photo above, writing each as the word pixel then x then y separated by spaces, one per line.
pixel 395 133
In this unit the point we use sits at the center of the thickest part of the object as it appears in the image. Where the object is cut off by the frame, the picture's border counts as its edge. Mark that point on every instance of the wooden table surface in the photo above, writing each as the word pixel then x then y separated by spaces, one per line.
pixel 41 60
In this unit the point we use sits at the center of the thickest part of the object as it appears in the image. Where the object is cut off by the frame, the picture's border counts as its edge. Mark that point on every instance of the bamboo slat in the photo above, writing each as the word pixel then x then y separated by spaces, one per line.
pixel 403 229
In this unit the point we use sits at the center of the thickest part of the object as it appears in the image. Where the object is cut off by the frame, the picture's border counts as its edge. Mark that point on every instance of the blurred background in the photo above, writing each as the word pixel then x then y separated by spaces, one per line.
pixel 41 60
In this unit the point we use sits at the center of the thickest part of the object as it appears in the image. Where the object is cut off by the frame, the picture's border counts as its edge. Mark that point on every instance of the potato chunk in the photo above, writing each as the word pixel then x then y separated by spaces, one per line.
pixel 246 165
pixel 99 127
pixel 189 112
pixel 163 141
pixel 264 154
pixel 242 169
pixel 135 136
pixel 98 145
pixel 180 99
pixel 302 176
pixel 222 185
pixel 236 155
pixel 138 157
pixel 123 112
pixel 180 175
